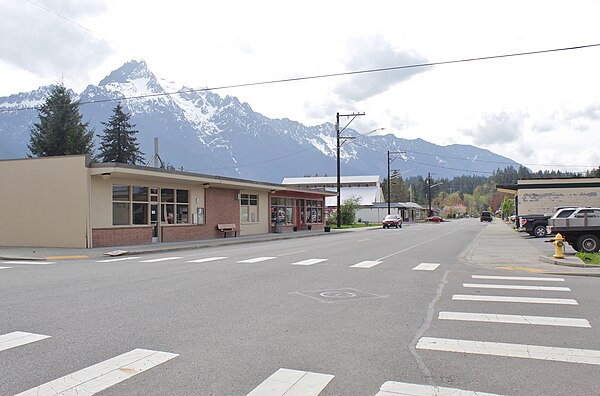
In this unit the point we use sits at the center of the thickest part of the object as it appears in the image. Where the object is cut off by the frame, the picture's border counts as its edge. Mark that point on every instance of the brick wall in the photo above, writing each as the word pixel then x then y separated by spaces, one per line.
pixel 122 236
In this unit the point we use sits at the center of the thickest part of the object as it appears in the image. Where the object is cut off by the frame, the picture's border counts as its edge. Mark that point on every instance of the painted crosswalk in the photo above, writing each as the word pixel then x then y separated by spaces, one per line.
pixel 25 262
pixel 158 260
pixel 309 262
pixel 292 382
pixel 1 268
pixel 515 287
pixel 517 278
pixel 98 377
pixel 256 260
pixel 514 319
pixel 530 300
pixel 206 260
pixel 18 338
pixel 114 260
pixel 570 355
pixel 426 267
pixel 393 388
pixel 366 264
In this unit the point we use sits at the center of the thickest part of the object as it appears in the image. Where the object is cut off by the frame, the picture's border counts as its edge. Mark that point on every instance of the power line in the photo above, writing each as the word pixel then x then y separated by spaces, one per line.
pixel 58 15
pixel 330 75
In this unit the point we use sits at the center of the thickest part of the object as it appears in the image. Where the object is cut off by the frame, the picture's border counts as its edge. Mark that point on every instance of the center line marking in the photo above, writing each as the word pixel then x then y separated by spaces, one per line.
pixel 514 319
pixel 569 355
pixel 515 287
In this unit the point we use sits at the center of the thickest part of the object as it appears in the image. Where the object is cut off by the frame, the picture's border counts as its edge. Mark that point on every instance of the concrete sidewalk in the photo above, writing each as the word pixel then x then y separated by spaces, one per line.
pixel 499 246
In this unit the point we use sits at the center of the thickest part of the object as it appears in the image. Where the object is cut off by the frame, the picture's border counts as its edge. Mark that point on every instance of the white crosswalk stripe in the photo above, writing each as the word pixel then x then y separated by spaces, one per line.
pixel 530 300
pixel 18 338
pixel 309 262
pixel 517 278
pixel 366 264
pixel 157 260
pixel 206 260
pixel 515 287
pixel 393 388
pixel 292 383
pixel 516 319
pixel 569 355
pixel 103 375
pixel 23 262
pixel 426 267
pixel 257 260
pixel 113 260
pixel 5 267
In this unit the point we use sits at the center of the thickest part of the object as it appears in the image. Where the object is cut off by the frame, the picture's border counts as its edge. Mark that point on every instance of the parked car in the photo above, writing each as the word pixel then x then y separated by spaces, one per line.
pixel 537 225
pixel 436 219
pixel 392 220
pixel 581 229
pixel 486 216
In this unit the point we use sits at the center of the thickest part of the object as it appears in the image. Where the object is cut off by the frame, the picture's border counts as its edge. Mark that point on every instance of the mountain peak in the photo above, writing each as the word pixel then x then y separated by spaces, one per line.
pixel 131 70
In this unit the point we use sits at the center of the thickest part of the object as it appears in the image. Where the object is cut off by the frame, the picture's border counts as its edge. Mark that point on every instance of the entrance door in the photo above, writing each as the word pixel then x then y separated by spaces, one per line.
pixel 154 221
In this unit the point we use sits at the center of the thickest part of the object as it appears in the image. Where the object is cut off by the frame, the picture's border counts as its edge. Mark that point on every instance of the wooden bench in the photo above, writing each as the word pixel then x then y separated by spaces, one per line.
pixel 225 228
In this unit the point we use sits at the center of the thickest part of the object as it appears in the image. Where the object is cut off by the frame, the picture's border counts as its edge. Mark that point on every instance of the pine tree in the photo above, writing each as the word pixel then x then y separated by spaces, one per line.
pixel 60 130
pixel 119 143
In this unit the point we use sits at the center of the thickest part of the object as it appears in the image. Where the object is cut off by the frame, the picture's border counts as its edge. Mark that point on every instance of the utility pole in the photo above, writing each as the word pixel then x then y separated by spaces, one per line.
pixel 337 132
pixel 389 186
pixel 429 191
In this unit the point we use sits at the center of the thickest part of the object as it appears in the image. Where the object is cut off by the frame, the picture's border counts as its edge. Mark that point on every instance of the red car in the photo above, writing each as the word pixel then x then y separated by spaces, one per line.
pixel 436 219
pixel 392 220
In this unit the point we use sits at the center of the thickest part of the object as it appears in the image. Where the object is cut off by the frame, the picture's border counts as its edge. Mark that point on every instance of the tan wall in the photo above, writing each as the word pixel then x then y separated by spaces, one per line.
pixel 543 201
pixel 44 202
pixel 264 219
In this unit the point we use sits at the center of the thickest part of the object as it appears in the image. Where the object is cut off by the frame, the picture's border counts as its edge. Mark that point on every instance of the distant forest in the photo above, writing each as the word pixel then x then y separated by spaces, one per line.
pixel 477 193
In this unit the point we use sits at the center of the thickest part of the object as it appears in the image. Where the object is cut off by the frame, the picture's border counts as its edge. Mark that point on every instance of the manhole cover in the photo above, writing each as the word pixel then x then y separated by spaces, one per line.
pixel 333 295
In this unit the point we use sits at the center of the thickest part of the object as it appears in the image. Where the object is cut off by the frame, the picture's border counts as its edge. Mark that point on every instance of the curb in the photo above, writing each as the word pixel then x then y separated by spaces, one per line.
pixel 568 262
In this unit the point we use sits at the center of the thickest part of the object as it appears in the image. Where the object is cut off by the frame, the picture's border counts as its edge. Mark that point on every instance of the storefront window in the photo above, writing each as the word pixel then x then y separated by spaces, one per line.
pixel 282 211
pixel 249 208
pixel 120 213
pixel 314 211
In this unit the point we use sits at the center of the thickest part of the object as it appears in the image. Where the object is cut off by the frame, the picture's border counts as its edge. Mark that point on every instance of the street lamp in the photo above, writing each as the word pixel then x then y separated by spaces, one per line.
pixel 337 131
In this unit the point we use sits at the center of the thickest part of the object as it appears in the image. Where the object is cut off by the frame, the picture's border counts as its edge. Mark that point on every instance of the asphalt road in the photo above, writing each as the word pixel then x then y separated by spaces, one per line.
pixel 348 312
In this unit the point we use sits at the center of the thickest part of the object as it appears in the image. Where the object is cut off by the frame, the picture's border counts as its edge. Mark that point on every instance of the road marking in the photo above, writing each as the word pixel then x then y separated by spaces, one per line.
pixel 257 260
pixel 569 355
pixel 426 267
pixel 292 383
pixel 29 262
pixel 67 257
pixel 5 267
pixel 366 264
pixel 364 240
pixel 518 278
pixel 160 259
pixel 524 269
pixel 290 253
pixel 205 260
pixel 515 287
pixel 531 300
pixel 18 338
pixel 516 319
pixel 393 388
pixel 417 245
pixel 103 375
pixel 309 262
pixel 117 259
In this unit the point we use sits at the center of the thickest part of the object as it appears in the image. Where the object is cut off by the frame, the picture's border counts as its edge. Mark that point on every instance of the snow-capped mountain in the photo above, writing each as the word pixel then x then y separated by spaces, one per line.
pixel 206 133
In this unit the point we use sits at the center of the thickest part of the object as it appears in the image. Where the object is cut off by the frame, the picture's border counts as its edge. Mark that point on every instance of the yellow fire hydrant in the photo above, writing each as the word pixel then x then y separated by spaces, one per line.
pixel 558 243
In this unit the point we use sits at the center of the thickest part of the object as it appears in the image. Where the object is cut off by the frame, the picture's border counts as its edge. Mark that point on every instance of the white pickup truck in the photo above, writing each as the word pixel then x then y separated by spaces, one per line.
pixel 581 229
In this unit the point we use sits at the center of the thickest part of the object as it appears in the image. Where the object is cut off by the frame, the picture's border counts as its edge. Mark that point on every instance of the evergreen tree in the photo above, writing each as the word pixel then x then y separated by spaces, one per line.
pixel 60 130
pixel 119 143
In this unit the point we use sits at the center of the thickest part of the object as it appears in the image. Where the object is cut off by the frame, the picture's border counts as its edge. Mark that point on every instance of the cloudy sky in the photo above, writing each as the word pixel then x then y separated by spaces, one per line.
pixel 540 110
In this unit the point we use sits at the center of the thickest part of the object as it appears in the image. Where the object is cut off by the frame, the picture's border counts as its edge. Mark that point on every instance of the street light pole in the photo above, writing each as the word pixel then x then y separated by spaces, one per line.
pixel 337 132
pixel 389 186
pixel 429 191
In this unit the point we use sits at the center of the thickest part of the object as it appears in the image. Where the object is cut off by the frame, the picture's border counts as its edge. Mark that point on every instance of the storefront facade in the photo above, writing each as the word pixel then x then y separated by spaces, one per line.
pixel 70 202
pixel 297 211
